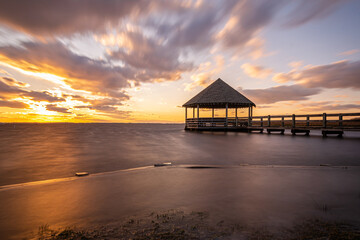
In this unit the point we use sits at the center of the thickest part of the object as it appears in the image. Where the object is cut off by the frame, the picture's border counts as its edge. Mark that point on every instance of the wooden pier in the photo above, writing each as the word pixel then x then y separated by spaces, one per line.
pixel 220 95
pixel 329 124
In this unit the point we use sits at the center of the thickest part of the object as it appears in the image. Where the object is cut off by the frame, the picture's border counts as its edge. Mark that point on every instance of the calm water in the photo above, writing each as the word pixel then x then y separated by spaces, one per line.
pixel 31 152
pixel 265 192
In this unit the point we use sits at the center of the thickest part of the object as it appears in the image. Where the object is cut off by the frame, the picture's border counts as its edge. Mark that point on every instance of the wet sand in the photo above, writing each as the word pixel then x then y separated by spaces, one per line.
pixel 259 196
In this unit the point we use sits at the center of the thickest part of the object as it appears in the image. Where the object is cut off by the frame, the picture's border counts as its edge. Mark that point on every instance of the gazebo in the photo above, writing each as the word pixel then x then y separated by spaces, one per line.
pixel 218 95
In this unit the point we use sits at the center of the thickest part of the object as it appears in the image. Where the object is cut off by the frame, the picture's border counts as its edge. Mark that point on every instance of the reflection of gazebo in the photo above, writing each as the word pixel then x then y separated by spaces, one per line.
pixel 218 95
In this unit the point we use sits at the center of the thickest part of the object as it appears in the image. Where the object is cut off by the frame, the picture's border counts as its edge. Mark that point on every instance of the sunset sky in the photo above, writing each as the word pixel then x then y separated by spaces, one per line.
pixel 139 61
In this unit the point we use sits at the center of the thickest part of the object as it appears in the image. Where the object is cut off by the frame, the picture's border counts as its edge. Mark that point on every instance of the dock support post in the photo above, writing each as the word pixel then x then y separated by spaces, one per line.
pixel 269 119
pixel 236 118
pixel 293 121
pixel 226 115
pixel 308 121
pixel 282 122
pixel 324 120
pixel 261 122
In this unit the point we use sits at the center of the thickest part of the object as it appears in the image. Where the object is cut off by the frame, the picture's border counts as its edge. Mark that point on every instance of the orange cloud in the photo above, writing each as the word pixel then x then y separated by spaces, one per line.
pixel 256 71
pixel 350 52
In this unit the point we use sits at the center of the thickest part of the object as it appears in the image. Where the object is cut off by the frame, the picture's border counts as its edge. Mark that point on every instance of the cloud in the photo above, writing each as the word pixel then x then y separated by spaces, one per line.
pixel 206 73
pixel 246 20
pixel 280 93
pixel 11 88
pixel 350 52
pixel 54 108
pixel 80 72
pixel 344 74
pixel 13 104
pixel 327 106
pixel 256 71
pixel 42 96
pixel 147 54
pixel 12 82
pixel 295 65
pixel 306 11
pixel 50 18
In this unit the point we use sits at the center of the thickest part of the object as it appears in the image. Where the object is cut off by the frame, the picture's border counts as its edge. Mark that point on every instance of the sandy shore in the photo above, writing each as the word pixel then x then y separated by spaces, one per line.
pixel 245 198
pixel 176 224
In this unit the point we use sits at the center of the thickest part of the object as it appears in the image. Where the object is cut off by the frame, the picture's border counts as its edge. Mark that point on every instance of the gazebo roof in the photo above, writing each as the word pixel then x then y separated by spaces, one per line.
pixel 217 95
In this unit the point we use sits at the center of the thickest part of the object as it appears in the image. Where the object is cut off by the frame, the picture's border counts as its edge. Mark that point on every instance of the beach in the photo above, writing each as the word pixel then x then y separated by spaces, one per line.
pixel 258 196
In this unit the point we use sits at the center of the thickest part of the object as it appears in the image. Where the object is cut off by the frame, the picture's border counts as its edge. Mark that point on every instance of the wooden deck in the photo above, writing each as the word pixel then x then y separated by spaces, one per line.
pixel 327 123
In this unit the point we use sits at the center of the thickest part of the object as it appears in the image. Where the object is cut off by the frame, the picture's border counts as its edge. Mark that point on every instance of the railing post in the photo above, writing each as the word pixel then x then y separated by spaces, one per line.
pixel 293 121
pixel 324 120
pixel 269 123
pixel 282 122
pixel 340 120
pixel 307 121
pixel 261 122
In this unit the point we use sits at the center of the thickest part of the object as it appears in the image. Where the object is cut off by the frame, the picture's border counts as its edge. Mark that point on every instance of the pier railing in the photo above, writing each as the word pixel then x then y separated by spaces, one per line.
pixel 349 121
pixel 215 122
pixel 324 120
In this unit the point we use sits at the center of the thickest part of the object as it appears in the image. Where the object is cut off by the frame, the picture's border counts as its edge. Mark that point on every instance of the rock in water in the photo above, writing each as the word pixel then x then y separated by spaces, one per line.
pixel 162 164
pixel 81 174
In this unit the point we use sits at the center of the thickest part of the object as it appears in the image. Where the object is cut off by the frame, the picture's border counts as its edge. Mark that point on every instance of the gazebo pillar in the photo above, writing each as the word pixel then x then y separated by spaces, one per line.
pixel 193 112
pixel 226 115
pixel 236 118
pixel 198 111
pixel 249 115
pixel 185 115
pixel 212 119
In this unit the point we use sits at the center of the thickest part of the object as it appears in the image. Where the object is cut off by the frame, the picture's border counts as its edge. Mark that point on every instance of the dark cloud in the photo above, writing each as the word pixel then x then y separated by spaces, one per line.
pixel 10 88
pixel 12 82
pixel 344 74
pixel 48 18
pixel 13 104
pixel 246 19
pixel 102 105
pixel 53 107
pixel 42 96
pixel 156 59
pixel 194 25
pixel 280 93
